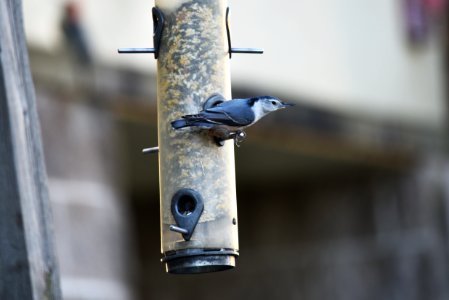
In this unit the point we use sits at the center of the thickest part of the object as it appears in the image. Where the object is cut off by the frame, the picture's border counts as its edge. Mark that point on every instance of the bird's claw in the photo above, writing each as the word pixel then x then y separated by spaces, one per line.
pixel 238 136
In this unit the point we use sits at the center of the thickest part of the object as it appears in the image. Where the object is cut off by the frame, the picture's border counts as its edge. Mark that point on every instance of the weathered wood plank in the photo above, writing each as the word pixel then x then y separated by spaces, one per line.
pixel 28 268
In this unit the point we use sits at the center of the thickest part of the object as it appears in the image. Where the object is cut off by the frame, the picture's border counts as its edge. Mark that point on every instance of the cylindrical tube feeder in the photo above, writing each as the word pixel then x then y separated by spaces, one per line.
pixel 197 178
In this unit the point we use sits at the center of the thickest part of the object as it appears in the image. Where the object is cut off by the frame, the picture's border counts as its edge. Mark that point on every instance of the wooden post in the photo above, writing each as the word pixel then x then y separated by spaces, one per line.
pixel 28 268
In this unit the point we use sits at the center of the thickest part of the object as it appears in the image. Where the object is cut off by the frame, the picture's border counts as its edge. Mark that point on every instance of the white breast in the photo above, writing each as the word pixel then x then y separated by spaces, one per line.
pixel 258 111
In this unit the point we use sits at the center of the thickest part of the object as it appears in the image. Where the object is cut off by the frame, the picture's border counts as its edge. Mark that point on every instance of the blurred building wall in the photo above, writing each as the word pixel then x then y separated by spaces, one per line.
pixel 94 238
pixel 344 197
pixel 347 55
pixel 327 215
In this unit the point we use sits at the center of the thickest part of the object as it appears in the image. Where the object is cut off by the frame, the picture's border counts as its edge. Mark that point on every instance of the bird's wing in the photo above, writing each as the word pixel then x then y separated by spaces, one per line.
pixel 235 113
pixel 217 118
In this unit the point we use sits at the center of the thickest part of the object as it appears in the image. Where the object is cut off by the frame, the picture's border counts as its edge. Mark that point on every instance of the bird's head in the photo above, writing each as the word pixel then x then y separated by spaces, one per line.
pixel 270 104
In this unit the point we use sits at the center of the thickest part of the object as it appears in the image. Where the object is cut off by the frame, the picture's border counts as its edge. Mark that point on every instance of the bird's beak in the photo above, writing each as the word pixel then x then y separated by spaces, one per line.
pixel 287 104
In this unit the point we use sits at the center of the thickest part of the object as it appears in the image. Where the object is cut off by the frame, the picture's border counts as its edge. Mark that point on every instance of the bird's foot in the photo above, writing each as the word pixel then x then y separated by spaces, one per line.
pixel 239 136
pixel 221 135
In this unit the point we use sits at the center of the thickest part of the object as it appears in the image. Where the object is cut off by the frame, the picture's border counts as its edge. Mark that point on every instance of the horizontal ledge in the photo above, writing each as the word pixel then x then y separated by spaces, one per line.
pixel 247 50
pixel 178 229
pixel 153 50
pixel 136 50
pixel 150 150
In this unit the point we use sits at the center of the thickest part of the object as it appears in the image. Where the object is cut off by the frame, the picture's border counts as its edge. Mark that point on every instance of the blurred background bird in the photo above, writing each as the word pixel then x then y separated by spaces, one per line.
pixel 74 34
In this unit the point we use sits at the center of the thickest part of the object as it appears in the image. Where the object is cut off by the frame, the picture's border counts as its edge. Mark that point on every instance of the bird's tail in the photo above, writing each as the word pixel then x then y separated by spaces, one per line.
pixel 180 123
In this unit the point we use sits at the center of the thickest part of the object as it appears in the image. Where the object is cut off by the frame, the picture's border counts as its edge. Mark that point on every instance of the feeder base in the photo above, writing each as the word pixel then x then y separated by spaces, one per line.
pixel 196 261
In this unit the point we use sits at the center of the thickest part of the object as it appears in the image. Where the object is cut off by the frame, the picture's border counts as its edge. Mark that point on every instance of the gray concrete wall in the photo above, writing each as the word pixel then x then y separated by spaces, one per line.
pixel 91 220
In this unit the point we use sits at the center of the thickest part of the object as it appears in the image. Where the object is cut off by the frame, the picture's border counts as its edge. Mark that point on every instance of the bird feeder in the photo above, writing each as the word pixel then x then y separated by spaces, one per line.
pixel 199 224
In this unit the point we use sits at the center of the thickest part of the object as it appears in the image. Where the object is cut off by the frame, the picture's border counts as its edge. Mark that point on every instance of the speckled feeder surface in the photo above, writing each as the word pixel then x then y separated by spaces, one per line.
pixel 193 64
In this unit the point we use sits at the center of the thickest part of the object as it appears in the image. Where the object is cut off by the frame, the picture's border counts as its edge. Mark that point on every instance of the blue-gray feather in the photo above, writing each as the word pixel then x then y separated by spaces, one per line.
pixel 180 123
pixel 235 113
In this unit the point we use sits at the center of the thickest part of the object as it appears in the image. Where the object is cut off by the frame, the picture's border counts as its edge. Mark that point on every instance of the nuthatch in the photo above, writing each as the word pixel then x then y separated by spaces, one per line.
pixel 228 119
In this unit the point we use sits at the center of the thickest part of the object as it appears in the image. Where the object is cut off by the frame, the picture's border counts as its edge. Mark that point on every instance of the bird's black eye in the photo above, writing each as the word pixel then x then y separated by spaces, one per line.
pixel 274 103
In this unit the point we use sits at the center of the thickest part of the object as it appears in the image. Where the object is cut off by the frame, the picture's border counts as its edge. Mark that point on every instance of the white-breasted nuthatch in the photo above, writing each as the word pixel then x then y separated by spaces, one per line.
pixel 228 119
